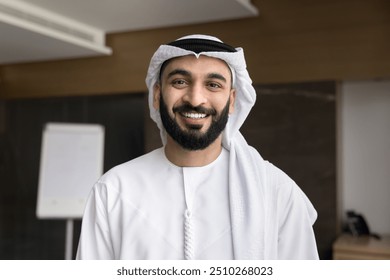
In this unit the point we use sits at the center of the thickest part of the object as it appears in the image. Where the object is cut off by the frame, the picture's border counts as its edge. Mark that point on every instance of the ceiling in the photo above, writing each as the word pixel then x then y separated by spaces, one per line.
pixel 39 30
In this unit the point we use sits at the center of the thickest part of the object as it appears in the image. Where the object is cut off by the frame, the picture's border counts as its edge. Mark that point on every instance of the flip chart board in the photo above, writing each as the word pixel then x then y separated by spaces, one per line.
pixel 71 162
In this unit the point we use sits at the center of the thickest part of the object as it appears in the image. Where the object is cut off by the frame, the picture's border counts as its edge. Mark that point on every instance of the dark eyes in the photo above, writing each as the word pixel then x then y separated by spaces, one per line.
pixel 182 83
pixel 179 83
pixel 214 85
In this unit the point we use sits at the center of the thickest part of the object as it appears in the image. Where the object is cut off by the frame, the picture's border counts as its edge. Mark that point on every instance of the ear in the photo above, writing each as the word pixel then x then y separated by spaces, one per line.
pixel 232 100
pixel 156 96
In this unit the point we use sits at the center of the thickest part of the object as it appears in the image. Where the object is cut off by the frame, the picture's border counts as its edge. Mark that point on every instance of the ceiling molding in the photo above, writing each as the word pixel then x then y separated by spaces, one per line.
pixel 40 30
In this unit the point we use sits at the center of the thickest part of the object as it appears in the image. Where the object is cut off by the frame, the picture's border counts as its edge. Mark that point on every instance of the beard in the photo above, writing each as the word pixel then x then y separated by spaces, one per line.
pixel 192 138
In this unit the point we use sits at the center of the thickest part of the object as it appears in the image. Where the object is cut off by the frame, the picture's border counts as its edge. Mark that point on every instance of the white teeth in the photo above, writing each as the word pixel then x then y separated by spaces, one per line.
pixel 194 115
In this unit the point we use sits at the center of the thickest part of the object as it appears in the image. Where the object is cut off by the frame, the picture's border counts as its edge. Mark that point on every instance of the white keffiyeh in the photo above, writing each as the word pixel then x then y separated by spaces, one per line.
pixel 249 194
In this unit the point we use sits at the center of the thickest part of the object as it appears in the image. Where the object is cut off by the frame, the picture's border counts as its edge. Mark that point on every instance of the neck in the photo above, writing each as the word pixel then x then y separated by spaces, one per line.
pixel 186 158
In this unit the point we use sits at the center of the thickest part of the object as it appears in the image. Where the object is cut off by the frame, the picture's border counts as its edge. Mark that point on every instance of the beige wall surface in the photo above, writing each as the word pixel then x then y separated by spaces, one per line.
pixel 364 151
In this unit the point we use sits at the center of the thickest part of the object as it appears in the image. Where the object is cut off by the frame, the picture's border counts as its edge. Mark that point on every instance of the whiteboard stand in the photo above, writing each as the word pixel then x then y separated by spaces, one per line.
pixel 71 163
pixel 69 239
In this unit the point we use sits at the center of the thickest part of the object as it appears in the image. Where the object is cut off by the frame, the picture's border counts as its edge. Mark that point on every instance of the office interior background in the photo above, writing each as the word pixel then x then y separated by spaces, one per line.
pixel 321 70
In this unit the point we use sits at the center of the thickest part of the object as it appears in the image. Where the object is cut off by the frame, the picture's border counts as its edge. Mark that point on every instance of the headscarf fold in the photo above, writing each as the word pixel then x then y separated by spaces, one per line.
pixel 247 193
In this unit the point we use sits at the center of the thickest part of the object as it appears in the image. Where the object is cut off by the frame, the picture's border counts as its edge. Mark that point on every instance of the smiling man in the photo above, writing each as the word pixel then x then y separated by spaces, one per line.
pixel 195 97
pixel 206 194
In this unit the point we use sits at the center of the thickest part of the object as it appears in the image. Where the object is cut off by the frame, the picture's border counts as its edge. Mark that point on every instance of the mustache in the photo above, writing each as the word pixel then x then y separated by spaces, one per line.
pixel 186 108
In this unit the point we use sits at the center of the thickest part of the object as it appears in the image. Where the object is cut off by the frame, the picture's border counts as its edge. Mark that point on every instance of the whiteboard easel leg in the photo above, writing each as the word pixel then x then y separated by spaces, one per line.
pixel 69 239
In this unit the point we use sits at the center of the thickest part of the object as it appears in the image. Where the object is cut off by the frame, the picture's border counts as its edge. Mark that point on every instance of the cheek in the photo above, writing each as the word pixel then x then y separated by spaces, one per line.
pixel 222 103
pixel 169 103
pixel 171 99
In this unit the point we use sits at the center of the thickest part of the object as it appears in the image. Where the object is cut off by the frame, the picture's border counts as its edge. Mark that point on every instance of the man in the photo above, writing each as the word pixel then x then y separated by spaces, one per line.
pixel 206 194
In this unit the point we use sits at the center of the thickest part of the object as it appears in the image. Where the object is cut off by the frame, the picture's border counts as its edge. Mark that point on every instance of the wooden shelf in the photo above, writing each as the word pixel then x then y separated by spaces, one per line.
pixel 348 247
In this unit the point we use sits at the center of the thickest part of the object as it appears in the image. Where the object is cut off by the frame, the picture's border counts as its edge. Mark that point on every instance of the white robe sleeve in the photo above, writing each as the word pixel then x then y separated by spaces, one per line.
pixel 95 239
pixel 296 238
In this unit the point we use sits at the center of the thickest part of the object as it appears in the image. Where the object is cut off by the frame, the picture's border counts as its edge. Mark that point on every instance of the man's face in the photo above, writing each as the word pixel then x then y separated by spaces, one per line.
pixel 195 98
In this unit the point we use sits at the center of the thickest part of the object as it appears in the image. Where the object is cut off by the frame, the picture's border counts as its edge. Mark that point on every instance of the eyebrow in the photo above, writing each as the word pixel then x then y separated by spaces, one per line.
pixel 188 74
pixel 216 76
pixel 179 72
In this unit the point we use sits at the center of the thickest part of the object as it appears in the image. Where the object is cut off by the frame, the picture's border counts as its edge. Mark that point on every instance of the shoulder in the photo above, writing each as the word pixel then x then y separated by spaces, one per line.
pixel 138 164
pixel 271 178
pixel 277 177
pixel 287 193
pixel 279 183
pixel 133 170
pixel 127 179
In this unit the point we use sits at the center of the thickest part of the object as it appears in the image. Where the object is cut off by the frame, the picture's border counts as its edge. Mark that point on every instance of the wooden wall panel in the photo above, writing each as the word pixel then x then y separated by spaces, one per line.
pixel 289 41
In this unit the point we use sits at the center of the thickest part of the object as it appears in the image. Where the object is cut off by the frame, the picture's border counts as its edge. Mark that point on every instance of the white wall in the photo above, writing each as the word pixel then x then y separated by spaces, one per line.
pixel 364 151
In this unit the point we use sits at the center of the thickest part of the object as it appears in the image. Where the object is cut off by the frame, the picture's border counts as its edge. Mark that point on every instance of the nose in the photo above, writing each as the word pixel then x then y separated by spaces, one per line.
pixel 195 95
